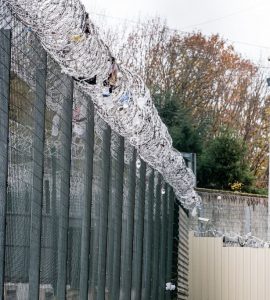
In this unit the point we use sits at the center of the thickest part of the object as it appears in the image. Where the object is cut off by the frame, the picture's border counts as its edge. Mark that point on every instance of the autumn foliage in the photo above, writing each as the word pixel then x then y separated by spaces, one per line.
pixel 203 78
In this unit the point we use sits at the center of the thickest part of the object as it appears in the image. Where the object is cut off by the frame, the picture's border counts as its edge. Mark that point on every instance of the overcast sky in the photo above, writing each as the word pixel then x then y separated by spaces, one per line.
pixel 245 22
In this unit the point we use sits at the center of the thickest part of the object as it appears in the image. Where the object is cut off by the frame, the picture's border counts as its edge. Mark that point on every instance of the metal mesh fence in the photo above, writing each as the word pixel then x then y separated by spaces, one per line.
pixel 138 232
pixel 115 218
pixel 81 215
pixel 147 235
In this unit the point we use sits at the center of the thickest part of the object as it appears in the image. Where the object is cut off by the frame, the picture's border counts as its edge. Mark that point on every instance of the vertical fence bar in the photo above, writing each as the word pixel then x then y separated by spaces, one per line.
pixel 99 213
pixel 5 60
pixel 103 221
pixel 115 219
pixel 64 192
pixel 54 231
pixel 37 186
pixel 97 209
pixel 147 239
pixel 170 216
pixel 166 225
pixel 175 247
pixel 138 236
pixel 118 225
pixel 156 241
pixel 87 202
pixel 163 242
pixel 127 231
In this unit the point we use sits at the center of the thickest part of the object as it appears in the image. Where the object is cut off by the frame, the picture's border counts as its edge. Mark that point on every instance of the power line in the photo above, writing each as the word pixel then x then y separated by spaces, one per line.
pixel 249 44
pixel 180 30
pixel 225 16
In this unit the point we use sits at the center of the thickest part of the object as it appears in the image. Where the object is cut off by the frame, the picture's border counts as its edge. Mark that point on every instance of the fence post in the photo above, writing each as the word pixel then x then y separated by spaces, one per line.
pixel 103 221
pixel 174 275
pixel 163 242
pixel 115 219
pixel 170 216
pixel 156 241
pixel 87 202
pixel 64 191
pixel 37 185
pixel 138 236
pixel 127 230
pixel 5 60
pixel 148 238
pixel 54 214
pixel 99 212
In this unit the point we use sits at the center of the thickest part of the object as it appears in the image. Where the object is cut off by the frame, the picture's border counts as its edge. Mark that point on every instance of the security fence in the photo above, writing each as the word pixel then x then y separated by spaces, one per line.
pixel 81 215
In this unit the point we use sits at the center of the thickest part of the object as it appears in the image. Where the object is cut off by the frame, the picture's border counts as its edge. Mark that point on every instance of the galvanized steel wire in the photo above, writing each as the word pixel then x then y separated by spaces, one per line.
pixel 78 203
pixel 61 28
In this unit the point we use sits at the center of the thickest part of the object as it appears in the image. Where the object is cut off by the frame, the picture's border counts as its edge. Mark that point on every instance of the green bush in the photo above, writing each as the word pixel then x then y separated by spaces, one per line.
pixel 223 163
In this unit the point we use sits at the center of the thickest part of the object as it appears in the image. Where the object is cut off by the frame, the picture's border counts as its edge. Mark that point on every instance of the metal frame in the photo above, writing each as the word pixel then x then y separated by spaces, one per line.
pixel 148 238
pixel 127 231
pixel 138 236
pixel 123 244
pixel 5 61
pixel 156 241
pixel 115 220
pixel 64 191
pixel 37 185
pixel 86 221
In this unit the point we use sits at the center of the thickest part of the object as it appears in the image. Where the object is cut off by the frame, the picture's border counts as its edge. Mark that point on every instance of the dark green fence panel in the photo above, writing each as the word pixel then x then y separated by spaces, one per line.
pixel 5 58
pixel 87 202
pixel 26 143
pixel 82 216
pixel 138 233
pixel 174 275
pixel 115 219
pixel 80 197
pixel 101 187
pixel 37 182
pixel 128 223
pixel 163 242
pixel 170 218
pixel 57 174
pixel 103 225
pixel 156 241
pixel 64 190
pixel 148 236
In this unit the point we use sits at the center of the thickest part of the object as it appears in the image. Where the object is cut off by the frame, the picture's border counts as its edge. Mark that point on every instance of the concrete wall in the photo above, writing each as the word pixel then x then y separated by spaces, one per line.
pixel 232 212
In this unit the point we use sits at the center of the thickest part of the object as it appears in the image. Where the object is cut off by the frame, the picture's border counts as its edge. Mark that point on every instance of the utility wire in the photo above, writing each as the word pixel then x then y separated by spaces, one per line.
pixel 225 16
pixel 180 30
